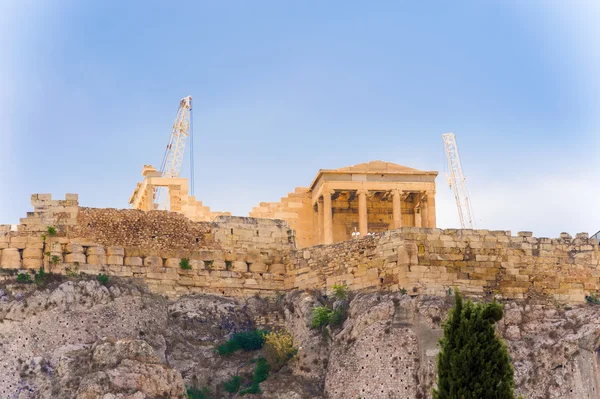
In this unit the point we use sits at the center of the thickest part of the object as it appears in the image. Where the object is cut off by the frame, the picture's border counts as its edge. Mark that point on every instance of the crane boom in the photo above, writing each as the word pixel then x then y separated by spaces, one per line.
pixel 174 154
pixel 457 182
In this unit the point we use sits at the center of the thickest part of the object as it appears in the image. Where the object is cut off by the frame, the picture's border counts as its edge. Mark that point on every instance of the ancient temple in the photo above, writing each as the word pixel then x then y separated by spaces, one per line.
pixel 340 204
pixel 354 201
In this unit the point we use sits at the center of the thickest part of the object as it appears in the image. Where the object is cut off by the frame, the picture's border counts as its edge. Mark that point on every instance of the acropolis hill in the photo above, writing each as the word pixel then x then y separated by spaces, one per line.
pixel 305 241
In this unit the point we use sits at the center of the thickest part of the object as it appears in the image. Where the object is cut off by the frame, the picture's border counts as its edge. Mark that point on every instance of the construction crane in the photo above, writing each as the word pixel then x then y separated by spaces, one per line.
pixel 175 151
pixel 456 180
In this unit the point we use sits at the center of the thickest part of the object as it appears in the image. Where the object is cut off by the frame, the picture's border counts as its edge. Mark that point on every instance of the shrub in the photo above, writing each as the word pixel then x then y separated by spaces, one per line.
pixel 72 273
pixel 41 274
pixel 185 264
pixel 261 372
pixel 340 291
pixel 338 316
pixel 195 393
pixel 321 316
pixel 593 298
pixel 103 278
pixel 54 260
pixel 23 278
pixel 51 231
pixel 233 385
pixel 473 361
pixel 403 291
pixel 41 277
pixel 246 341
pixel 279 348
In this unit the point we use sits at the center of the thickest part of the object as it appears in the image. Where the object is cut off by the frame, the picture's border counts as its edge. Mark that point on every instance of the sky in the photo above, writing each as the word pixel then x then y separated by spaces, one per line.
pixel 89 92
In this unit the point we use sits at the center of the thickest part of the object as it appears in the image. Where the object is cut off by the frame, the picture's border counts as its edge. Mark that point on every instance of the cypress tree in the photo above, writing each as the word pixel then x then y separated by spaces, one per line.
pixel 473 362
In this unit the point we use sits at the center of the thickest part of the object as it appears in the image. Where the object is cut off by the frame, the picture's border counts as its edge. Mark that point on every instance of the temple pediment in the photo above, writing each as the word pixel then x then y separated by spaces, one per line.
pixel 378 167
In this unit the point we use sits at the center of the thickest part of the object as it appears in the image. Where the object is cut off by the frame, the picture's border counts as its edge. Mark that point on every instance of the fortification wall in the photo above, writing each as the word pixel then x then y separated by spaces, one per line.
pixel 233 256
pixel 242 256
pixel 431 261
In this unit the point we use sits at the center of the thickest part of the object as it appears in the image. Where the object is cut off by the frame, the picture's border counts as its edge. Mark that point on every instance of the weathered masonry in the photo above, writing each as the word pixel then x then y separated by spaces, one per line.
pixel 340 203
pixel 238 256
pixel 359 200
pixel 177 191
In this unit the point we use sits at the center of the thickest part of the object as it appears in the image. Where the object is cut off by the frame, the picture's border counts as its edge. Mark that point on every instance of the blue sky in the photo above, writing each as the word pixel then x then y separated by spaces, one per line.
pixel 89 91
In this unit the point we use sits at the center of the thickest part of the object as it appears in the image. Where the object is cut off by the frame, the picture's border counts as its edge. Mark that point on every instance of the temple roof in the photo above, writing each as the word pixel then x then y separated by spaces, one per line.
pixel 370 168
pixel 377 167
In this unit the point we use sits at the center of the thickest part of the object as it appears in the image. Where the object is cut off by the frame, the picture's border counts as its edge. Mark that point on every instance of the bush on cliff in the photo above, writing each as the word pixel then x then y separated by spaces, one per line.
pixel 261 372
pixel 279 348
pixel 340 292
pixel 247 341
pixel 473 361
pixel 322 316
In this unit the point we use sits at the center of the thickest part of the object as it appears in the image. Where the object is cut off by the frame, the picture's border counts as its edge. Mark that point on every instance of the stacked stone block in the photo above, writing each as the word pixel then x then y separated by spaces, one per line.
pixel 433 261
pixel 49 212
pixel 243 256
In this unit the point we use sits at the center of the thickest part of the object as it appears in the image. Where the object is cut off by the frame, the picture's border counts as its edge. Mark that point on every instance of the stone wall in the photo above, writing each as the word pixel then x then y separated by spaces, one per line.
pixel 297 211
pixel 231 256
pixel 49 212
pixel 432 261
pixel 242 256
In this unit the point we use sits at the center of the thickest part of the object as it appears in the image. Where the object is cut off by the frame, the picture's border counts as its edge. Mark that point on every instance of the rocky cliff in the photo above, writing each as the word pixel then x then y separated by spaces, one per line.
pixel 79 339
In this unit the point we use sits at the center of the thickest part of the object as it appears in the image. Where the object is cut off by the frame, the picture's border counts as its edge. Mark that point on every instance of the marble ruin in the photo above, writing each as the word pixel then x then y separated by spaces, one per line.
pixel 143 197
pixel 340 204
pixel 243 256
pixel 356 201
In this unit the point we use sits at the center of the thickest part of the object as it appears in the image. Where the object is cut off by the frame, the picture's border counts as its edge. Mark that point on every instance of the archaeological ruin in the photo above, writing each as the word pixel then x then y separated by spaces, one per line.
pixel 339 204
pixel 183 280
pixel 305 241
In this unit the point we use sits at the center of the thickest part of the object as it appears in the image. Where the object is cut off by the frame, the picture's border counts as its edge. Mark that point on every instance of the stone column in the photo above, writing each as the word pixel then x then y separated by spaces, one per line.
pixel 175 198
pixel 424 213
pixel 431 222
pixel 418 206
pixel 148 198
pixel 363 224
pixel 327 218
pixel 397 209
pixel 320 220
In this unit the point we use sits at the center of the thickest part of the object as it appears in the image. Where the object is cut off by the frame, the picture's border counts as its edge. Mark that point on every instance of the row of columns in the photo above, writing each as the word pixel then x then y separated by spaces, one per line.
pixel 422 219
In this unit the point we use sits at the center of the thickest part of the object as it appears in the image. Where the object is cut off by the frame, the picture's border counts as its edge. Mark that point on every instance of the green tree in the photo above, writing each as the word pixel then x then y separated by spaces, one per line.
pixel 473 361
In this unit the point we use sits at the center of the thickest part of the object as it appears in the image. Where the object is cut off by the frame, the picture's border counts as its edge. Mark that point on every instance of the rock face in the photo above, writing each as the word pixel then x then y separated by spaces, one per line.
pixel 83 340
pixel 128 369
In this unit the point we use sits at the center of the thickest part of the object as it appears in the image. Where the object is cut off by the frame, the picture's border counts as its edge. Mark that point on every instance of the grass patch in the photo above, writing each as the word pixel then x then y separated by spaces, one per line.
pixel 103 278
pixel 24 278
pixel 185 264
pixel 195 393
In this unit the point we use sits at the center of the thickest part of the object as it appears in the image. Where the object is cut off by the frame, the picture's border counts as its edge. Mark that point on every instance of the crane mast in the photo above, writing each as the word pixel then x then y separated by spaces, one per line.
pixel 175 151
pixel 456 180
